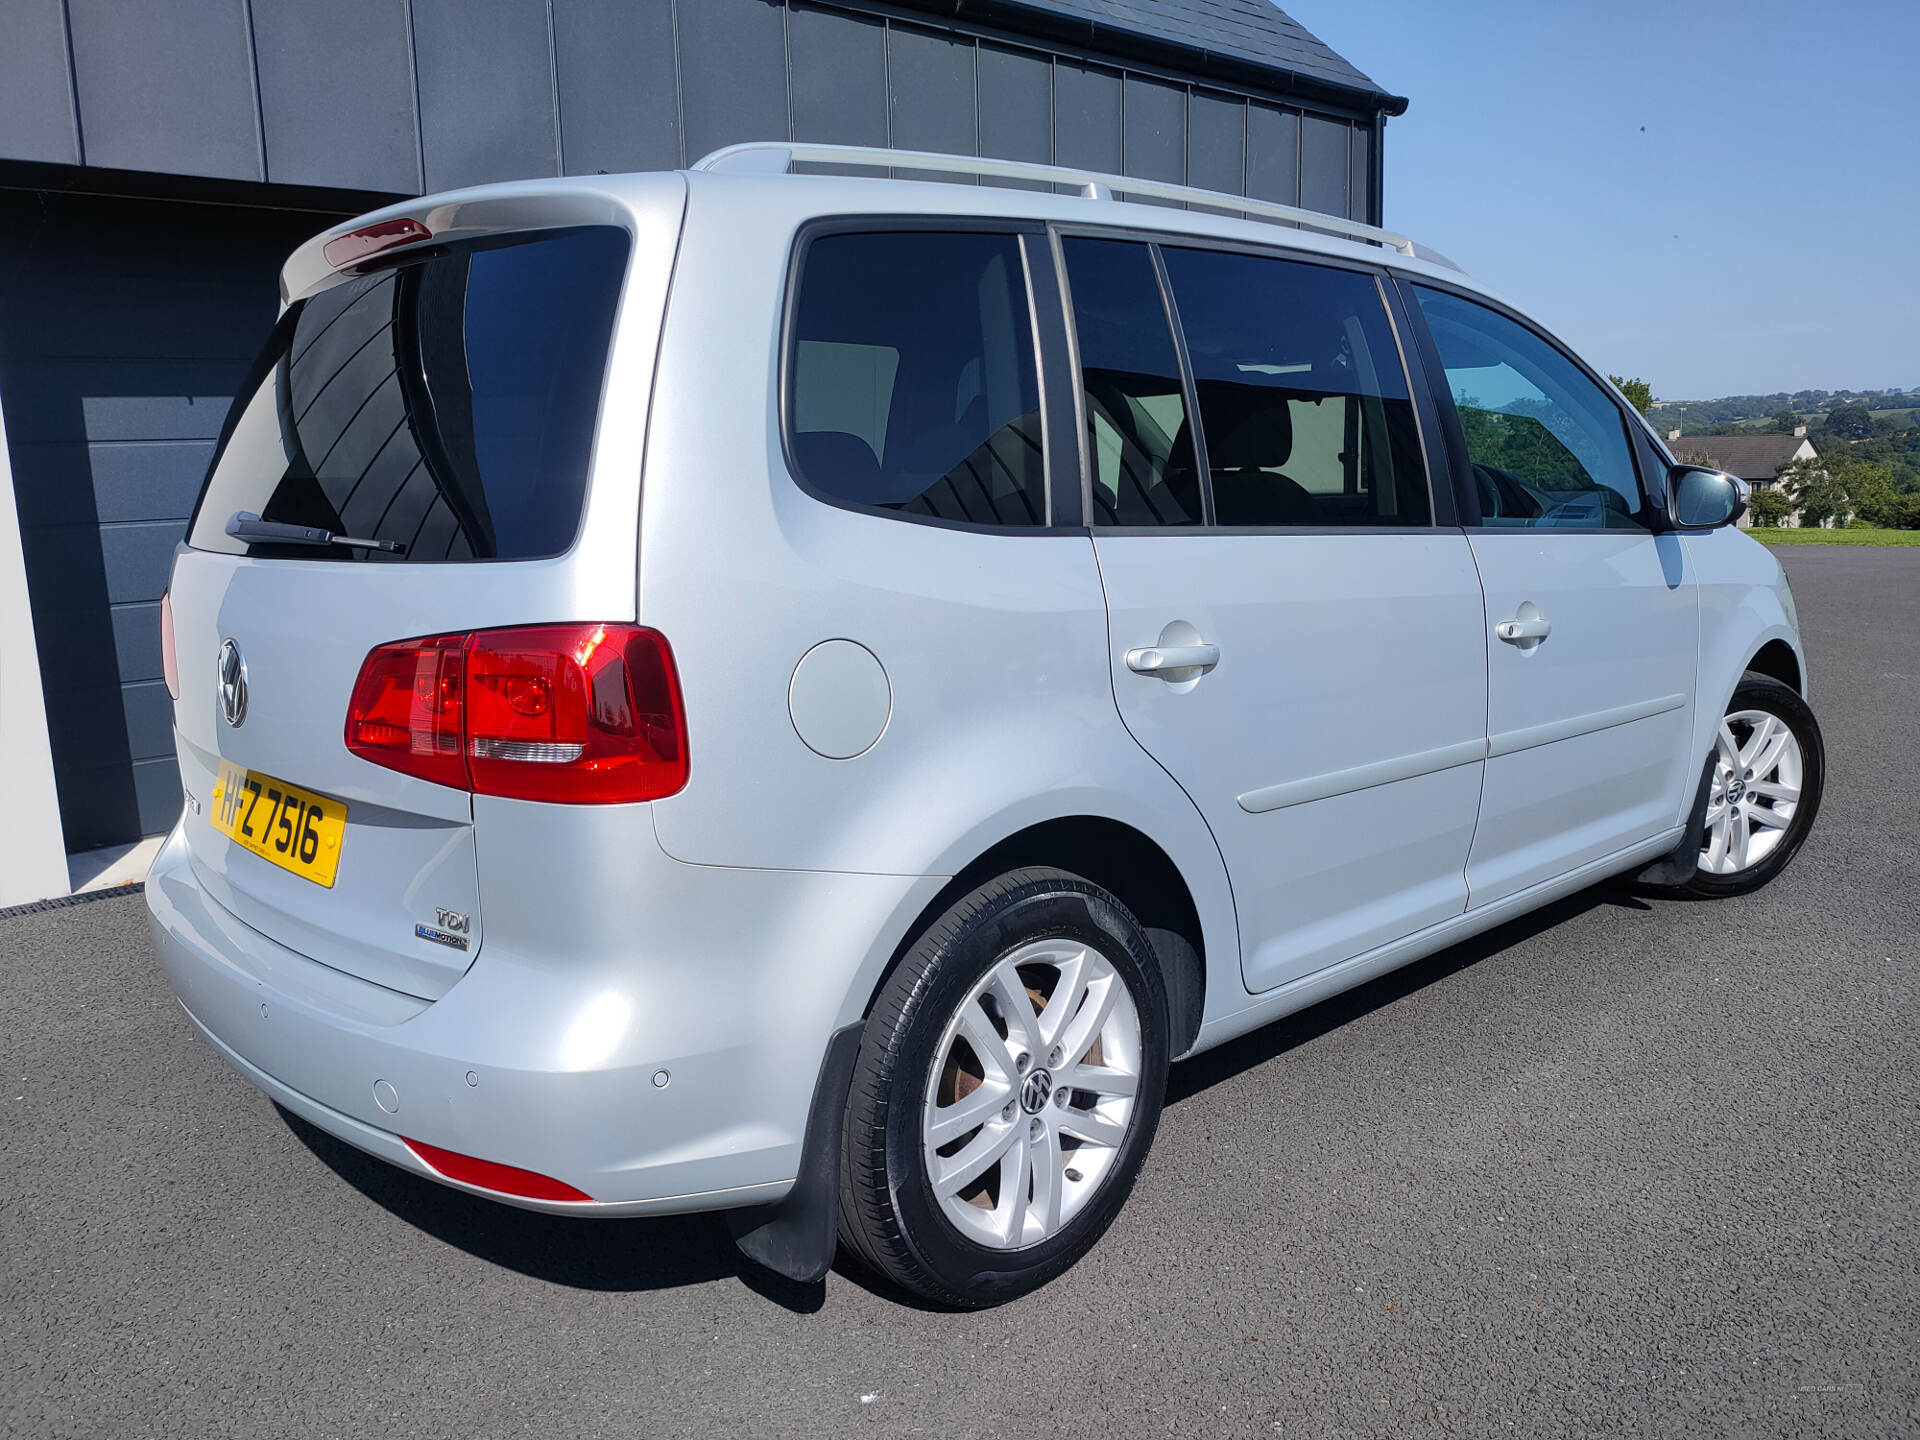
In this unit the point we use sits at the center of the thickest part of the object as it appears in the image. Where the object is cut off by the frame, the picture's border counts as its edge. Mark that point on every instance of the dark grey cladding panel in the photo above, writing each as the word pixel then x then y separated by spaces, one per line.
pixel 486 91
pixel 930 76
pixel 99 803
pixel 1360 187
pixel 1016 105
pixel 733 73
pixel 114 782
pixel 194 411
pixel 136 640
pixel 87 727
pixel 138 557
pixel 1273 154
pixel 167 87
pixel 336 93
pixel 1216 141
pixel 839 77
pixel 618 107
pixel 66 583
pixel 1086 116
pixel 1156 129
pixel 149 711
pixel 75 483
pixel 47 402
pixel 156 789
pixel 127 326
pixel 1323 164
pixel 36 94
pixel 131 640
pixel 148 480
pixel 53 483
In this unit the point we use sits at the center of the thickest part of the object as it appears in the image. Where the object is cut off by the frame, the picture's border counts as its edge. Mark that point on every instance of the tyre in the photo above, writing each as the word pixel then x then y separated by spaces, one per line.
pixel 1769 766
pixel 1009 1084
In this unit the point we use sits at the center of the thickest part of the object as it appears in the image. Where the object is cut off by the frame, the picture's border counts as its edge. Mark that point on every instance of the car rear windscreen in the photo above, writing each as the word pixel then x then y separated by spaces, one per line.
pixel 446 404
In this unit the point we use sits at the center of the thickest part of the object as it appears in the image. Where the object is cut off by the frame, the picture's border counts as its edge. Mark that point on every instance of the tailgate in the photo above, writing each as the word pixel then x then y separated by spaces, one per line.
pixel 445 413
pixel 406 854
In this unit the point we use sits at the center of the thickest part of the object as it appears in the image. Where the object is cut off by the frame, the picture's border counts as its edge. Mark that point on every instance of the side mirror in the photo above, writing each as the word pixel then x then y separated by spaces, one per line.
pixel 1700 498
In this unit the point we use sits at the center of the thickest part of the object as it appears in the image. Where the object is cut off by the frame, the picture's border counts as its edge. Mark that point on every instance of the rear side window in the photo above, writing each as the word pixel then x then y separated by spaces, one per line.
pixel 1303 401
pixel 911 378
pixel 1138 435
pixel 447 404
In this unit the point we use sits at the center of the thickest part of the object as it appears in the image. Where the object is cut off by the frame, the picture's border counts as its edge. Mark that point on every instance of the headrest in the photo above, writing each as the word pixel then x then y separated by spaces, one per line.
pixel 842 465
pixel 1248 426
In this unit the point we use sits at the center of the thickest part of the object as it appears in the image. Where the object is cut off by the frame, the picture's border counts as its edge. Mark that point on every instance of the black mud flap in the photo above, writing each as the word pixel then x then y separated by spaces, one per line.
pixel 796 1236
pixel 1676 867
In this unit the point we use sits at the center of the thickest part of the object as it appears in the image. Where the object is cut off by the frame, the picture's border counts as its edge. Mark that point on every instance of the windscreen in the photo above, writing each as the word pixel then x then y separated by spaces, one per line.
pixel 446 404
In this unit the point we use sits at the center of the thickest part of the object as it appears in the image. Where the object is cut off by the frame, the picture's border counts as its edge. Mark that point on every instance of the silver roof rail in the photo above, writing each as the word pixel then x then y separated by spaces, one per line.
pixel 777 157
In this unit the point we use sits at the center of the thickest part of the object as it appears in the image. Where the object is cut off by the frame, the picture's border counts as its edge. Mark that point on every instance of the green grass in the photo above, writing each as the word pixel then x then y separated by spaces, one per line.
pixel 1855 535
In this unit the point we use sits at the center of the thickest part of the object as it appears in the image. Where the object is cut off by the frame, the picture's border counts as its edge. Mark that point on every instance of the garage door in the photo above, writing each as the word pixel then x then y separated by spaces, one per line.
pixel 125 326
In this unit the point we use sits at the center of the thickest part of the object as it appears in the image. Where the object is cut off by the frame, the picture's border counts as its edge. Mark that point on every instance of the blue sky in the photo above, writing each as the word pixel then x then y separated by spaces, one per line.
pixel 1722 198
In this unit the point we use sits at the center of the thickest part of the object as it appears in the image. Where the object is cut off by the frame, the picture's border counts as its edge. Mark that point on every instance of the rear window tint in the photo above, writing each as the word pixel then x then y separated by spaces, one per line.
pixel 447 404
pixel 911 377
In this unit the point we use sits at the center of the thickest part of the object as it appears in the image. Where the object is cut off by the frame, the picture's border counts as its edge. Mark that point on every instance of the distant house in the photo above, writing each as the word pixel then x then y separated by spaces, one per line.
pixel 1756 459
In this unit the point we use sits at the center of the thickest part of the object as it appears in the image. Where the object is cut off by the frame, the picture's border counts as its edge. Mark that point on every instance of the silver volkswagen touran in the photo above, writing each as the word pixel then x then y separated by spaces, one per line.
pixel 800 694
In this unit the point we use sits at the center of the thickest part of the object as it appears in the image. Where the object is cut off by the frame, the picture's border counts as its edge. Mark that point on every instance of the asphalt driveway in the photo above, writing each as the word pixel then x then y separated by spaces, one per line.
pixel 1627 1165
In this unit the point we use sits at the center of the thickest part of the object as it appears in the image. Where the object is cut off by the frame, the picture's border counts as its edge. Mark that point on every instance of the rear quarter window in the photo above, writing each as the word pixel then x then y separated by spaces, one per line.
pixel 447 404
pixel 911 383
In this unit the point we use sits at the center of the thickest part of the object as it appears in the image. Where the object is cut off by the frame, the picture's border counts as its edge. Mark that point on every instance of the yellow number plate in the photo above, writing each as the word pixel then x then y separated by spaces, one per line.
pixel 281 823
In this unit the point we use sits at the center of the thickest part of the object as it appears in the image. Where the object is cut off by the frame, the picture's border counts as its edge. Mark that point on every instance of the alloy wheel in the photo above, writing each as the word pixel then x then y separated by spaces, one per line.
pixel 1032 1088
pixel 1757 777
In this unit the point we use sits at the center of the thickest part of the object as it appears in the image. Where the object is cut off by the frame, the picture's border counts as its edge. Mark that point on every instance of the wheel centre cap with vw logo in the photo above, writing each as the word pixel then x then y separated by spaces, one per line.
pixel 233 684
pixel 1035 1091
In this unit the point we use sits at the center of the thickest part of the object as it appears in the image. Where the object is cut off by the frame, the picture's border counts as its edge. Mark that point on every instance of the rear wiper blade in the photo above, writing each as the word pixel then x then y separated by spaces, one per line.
pixel 245 525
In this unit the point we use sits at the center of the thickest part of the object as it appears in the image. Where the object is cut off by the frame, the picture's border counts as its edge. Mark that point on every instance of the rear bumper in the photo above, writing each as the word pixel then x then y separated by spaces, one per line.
pixel 731 985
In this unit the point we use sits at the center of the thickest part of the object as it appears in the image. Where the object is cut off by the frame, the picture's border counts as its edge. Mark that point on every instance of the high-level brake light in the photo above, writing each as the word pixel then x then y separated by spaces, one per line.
pixel 573 714
pixel 372 239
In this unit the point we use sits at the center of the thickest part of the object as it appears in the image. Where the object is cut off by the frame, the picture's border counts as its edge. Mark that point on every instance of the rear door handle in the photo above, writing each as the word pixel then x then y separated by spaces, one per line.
pixel 1159 659
pixel 1518 632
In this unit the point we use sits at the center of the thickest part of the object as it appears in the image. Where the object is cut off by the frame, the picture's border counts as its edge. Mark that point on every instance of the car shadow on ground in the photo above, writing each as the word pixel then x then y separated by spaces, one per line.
pixel 637 1254
pixel 1190 1077
pixel 671 1251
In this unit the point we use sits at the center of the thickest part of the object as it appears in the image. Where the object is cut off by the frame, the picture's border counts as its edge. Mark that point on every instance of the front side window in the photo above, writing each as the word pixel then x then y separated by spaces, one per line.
pixel 1549 447
pixel 1303 401
pixel 446 405
pixel 911 378
pixel 1137 432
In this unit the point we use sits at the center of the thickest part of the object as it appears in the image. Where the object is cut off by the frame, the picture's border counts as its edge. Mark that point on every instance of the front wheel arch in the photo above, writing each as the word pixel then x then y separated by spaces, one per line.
pixel 1776 660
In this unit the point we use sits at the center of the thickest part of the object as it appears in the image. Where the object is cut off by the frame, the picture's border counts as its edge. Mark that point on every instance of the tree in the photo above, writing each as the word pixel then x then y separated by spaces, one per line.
pixel 1785 422
pixel 1850 422
pixel 1637 391
pixel 1769 506
pixel 1818 488
pixel 1875 501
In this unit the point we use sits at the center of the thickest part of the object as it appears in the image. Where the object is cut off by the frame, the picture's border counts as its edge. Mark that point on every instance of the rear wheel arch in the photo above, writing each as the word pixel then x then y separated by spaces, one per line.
pixel 1120 859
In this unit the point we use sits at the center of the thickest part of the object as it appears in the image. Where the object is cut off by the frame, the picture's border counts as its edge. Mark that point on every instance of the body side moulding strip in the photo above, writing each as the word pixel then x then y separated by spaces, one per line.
pixel 1447 757
pixel 1362 777
pixel 1507 742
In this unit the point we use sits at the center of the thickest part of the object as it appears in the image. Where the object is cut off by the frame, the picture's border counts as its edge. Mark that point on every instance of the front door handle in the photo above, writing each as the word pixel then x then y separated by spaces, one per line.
pixel 1519 632
pixel 1160 659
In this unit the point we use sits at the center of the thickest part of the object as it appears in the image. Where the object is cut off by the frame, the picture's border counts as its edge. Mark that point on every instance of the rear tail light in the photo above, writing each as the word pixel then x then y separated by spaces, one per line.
pixel 169 660
pixel 491 1175
pixel 372 239
pixel 575 714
